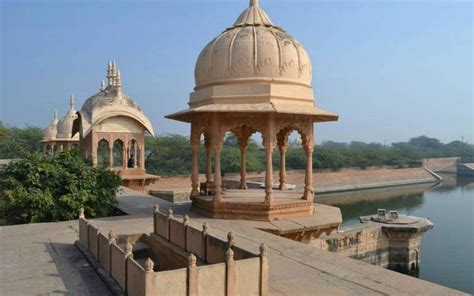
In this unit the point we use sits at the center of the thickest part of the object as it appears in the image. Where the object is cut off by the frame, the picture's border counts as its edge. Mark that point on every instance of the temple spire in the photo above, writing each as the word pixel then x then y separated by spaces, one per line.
pixel 71 102
pixel 118 81
pixel 102 85
pixel 110 73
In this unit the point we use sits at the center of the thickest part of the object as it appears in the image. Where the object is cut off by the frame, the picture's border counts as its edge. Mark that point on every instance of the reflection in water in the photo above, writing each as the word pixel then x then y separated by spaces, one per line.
pixel 447 249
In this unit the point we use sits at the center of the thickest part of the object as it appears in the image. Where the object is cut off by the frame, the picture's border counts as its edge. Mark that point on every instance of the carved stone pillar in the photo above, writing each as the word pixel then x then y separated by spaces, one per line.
pixel 243 164
pixel 309 147
pixel 208 146
pixel 195 137
pixel 269 173
pixel 269 143
pixel 111 155
pixel 94 145
pixel 217 139
pixel 217 170
pixel 135 156
pixel 283 148
pixel 142 156
pixel 52 148
pixel 124 157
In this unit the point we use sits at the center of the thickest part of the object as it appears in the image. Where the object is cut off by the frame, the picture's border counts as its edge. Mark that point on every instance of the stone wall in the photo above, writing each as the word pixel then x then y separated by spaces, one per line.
pixel 442 164
pixel 368 244
pixel 219 267
pixel 396 248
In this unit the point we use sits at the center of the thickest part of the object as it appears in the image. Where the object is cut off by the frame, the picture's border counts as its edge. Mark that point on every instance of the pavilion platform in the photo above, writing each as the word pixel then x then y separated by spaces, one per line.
pixel 138 181
pixel 288 215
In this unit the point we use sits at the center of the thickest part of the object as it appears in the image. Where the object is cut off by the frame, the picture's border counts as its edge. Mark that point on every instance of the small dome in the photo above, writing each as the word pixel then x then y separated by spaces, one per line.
pixel 253 49
pixel 65 124
pixel 51 131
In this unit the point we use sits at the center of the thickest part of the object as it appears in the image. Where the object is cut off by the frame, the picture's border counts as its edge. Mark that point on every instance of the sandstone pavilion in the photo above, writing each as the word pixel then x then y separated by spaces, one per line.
pixel 253 77
pixel 58 135
pixel 109 130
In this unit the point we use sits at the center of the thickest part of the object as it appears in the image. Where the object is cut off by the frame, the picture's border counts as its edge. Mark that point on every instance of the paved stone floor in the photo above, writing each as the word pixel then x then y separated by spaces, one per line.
pixel 40 259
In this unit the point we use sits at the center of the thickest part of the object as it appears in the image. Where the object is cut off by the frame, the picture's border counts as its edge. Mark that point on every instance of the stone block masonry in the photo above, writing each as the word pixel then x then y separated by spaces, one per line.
pixel 393 243
pixel 178 258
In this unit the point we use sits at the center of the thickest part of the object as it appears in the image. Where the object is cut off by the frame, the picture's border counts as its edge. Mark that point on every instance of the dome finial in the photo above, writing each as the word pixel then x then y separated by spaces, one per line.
pixel 117 81
pixel 71 101
pixel 102 85
pixel 110 73
pixel 254 3
pixel 55 114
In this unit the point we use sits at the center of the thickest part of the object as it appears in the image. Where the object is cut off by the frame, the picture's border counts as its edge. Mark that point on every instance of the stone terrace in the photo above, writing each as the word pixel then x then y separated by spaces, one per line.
pixel 295 268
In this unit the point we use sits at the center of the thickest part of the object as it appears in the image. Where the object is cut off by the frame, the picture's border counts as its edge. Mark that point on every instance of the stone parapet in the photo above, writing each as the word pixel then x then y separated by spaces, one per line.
pixel 179 258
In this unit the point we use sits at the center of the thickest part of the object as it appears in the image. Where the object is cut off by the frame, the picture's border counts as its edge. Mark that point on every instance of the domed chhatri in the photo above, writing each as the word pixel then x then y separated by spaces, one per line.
pixel 109 130
pixel 253 77
pixel 111 127
pixel 58 135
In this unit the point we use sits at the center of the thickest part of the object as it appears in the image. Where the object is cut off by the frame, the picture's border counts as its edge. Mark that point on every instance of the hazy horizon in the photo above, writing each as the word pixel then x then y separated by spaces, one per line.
pixel 392 70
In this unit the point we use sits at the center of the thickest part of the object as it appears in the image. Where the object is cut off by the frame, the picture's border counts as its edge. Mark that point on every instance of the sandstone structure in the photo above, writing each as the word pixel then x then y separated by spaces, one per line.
pixel 389 240
pixel 109 130
pixel 178 258
pixel 111 127
pixel 253 77
pixel 58 135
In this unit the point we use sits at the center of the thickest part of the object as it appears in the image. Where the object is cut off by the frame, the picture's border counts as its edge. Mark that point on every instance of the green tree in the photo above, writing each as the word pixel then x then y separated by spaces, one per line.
pixel 19 142
pixel 53 188
pixel 168 155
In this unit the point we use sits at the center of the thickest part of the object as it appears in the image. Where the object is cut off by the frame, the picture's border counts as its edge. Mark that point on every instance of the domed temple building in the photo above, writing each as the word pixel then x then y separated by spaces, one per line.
pixel 58 135
pixel 109 130
pixel 253 77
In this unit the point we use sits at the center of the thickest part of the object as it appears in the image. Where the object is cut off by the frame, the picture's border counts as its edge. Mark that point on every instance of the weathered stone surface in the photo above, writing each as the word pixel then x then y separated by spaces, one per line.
pixel 40 259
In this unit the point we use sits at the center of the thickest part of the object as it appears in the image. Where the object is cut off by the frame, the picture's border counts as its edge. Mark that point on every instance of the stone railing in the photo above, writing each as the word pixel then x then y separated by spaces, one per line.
pixel 213 266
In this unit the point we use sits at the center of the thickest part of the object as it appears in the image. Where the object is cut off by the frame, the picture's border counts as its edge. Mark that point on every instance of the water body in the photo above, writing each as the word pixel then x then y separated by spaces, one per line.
pixel 447 256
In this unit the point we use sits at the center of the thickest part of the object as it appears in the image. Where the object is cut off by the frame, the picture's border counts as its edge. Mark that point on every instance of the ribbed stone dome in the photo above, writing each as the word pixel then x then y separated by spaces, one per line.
pixel 66 123
pixel 109 102
pixel 51 131
pixel 253 49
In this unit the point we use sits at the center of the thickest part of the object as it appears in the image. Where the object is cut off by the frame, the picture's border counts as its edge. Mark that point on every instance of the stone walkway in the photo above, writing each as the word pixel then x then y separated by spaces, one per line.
pixel 295 268
pixel 40 259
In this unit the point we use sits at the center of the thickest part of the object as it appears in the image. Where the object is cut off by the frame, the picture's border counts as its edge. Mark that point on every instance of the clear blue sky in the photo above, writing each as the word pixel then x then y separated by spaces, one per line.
pixel 391 69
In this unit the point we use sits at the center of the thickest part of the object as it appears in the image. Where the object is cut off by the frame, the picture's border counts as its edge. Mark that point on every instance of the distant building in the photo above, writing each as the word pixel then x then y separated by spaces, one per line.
pixel 58 135
pixel 109 130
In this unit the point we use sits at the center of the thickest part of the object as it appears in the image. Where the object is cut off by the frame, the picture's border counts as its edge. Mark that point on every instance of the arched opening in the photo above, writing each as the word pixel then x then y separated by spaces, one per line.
pixel 296 152
pixel 117 152
pixel 103 153
pixel 133 154
pixel 242 153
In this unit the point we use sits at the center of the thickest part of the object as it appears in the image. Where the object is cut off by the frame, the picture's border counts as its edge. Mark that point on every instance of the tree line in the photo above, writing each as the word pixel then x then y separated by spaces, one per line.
pixel 170 154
